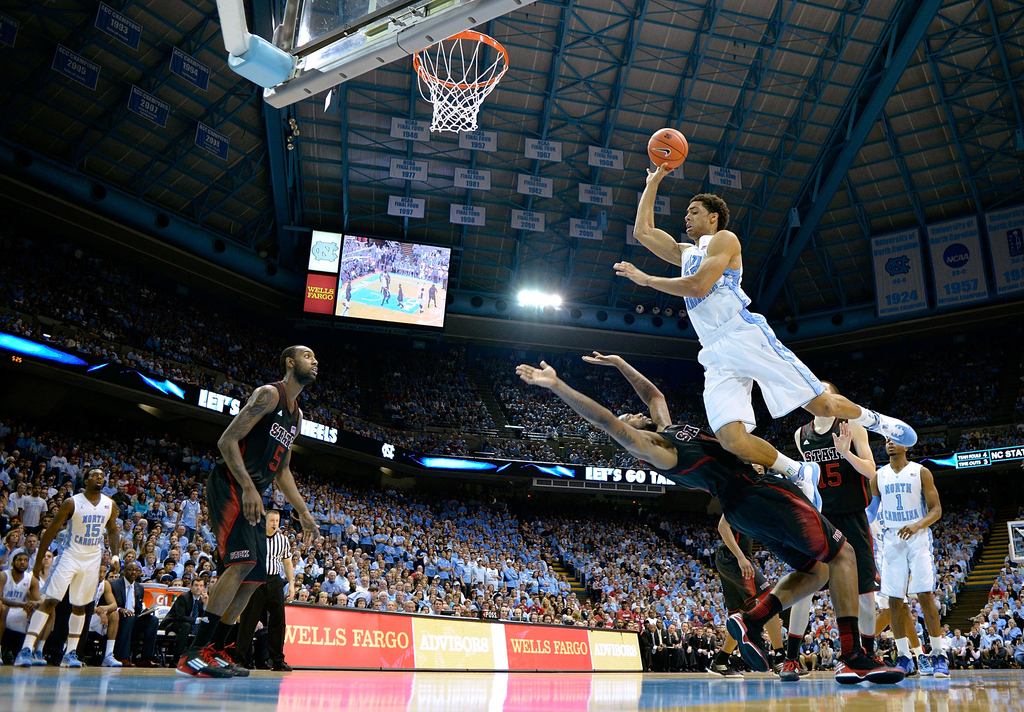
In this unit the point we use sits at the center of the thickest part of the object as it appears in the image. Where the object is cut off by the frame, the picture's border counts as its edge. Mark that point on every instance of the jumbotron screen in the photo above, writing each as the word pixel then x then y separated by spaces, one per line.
pixel 381 281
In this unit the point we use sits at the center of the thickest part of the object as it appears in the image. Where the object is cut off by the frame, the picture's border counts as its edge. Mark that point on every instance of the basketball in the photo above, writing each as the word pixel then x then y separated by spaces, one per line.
pixel 668 146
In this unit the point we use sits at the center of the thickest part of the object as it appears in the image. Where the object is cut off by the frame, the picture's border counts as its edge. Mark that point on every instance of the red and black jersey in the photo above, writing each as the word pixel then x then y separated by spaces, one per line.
pixel 269 440
pixel 704 464
pixel 843 490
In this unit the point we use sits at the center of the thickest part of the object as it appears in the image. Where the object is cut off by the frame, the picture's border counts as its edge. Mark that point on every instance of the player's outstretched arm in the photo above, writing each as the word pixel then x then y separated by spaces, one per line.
pixel 657 241
pixel 649 447
pixel 931 499
pixel 67 508
pixel 263 400
pixel 649 393
pixel 722 249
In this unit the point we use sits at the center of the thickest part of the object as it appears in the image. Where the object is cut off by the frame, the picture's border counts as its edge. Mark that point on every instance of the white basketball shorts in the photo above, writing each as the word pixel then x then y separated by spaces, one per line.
pixel 746 350
pixel 74 575
pixel 17 620
pixel 908 566
pixel 881 600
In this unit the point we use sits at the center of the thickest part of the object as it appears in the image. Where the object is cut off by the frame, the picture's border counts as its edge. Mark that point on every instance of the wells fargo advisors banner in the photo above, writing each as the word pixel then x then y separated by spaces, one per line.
pixel 317 637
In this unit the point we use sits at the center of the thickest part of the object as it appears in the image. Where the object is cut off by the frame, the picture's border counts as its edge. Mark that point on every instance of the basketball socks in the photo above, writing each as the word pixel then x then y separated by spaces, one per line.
pixel 75 626
pixel 868 643
pixel 849 635
pixel 918 651
pixel 220 635
pixel 793 646
pixel 903 647
pixel 867 418
pixel 110 648
pixel 763 611
pixel 936 645
pixel 787 466
pixel 35 627
pixel 205 632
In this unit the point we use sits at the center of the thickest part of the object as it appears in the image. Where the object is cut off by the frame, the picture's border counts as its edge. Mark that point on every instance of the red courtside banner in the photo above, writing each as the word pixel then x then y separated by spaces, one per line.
pixel 533 647
pixel 317 637
pixel 320 289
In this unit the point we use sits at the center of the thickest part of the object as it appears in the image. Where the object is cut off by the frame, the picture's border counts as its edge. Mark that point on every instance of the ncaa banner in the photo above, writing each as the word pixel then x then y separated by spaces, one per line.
pixel 899 274
pixel 1005 231
pixel 957 265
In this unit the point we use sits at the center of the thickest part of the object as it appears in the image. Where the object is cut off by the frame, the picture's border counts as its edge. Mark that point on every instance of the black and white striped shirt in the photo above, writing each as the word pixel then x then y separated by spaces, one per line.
pixel 277 549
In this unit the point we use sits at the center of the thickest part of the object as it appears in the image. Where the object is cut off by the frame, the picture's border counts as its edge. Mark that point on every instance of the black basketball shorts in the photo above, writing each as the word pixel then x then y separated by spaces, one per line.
pixel 738 593
pixel 238 541
pixel 858 532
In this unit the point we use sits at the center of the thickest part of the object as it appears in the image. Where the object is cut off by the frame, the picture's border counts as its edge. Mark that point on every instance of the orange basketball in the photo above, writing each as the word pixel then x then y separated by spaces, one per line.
pixel 668 146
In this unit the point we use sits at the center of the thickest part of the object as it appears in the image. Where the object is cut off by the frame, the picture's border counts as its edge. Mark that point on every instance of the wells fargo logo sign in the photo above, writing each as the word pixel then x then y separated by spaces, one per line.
pixel 317 637
pixel 320 290
pixel 543 648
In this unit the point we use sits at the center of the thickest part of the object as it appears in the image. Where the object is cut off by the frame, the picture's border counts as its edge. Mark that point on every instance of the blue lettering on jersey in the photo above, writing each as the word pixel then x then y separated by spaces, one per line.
pixel 892 515
pixel 897 487
pixel 689 269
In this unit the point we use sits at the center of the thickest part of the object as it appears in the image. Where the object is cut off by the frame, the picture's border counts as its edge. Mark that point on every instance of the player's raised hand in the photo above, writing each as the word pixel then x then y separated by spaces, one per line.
pixel 655 176
pixel 843 440
pixel 631 272
pixel 309 527
pixel 545 376
pixel 599 359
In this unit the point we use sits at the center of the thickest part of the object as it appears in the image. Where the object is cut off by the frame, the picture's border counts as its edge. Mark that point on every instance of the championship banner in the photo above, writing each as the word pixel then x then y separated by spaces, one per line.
pixel 899 274
pixel 1005 232
pixel 472 178
pixel 337 638
pixel 957 265
pixel 409 129
pixel 544 150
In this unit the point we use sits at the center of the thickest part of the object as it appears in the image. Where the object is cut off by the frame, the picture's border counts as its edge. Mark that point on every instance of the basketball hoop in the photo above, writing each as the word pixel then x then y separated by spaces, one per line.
pixel 457 80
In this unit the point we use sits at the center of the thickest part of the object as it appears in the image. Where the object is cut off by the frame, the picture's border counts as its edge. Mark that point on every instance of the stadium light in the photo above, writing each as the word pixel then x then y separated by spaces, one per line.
pixel 533 298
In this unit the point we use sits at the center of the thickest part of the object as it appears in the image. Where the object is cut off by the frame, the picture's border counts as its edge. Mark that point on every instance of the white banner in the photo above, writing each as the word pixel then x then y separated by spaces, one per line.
pixel 479 140
pixel 406 207
pixel 604 157
pixel 410 129
pixel 1005 231
pixel 595 194
pixel 662 203
pixel 528 220
pixel 467 215
pixel 408 169
pixel 585 229
pixel 324 252
pixel 544 150
pixel 957 265
pixel 725 177
pixel 899 273
pixel 535 185
pixel 472 178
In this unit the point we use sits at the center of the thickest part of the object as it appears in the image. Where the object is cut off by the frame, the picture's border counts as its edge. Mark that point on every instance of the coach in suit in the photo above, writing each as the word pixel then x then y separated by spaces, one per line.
pixel 647 646
pixel 185 616
pixel 674 649
pixel 128 594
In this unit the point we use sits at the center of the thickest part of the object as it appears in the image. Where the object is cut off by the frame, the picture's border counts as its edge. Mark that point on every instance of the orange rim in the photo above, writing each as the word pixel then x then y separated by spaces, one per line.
pixel 464 35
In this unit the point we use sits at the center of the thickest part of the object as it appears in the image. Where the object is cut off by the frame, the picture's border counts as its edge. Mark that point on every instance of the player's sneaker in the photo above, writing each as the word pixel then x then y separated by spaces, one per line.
pixel 941 667
pixel 751 652
pixel 200 662
pixel 906 665
pixel 925 665
pixel 893 429
pixel 110 661
pixel 71 660
pixel 37 659
pixel 24 658
pixel 226 657
pixel 725 667
pixel 851 669
pixel 790 671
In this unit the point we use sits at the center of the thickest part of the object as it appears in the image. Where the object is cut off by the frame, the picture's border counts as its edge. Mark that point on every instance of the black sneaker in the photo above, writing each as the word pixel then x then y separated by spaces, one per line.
pixel 226 657
pixel 282 667
pixel 200 662
pixel 725 668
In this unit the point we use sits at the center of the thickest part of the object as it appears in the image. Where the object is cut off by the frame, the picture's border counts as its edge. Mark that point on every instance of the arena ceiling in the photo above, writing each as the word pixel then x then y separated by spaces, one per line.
pixel 854 118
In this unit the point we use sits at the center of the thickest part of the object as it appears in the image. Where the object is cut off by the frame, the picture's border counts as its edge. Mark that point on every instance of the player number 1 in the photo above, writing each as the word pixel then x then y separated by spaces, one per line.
pixel 899 502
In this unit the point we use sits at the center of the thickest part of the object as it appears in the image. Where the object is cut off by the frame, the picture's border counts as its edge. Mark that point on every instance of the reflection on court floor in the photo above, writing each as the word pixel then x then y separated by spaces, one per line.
pixel 93 689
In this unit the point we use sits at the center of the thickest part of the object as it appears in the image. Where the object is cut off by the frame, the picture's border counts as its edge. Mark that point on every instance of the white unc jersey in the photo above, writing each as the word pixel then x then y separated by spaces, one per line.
pixel 902 496
pixel 725 300
pixel 17 591
pixel 87 526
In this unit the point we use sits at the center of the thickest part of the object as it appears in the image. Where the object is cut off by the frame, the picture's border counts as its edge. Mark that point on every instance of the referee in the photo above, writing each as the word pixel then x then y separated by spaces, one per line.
pixel 270 599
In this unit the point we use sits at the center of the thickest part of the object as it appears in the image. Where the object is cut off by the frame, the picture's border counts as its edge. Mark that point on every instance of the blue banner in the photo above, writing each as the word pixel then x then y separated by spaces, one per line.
pixel 75 66
pixel 118 26
pixel 148 107
pixel 212 141
pixel 899 273
pixel 190 69
pixel 8 30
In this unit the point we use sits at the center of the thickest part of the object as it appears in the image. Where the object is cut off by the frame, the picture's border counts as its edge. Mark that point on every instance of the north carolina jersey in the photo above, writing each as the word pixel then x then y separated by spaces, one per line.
pixel 87 526
pixel 902 496
pixel 17 590
pixel 725 300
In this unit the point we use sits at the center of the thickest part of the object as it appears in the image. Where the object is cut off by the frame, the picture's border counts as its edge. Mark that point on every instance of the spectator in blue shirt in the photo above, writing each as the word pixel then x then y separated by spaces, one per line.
pixel 188 515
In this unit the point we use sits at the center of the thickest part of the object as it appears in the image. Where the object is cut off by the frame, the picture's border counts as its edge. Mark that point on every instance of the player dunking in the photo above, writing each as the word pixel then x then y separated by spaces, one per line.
pixel 738 347
pixel 256 448
pixel 74 572
pixel 909 506
pixel 769 509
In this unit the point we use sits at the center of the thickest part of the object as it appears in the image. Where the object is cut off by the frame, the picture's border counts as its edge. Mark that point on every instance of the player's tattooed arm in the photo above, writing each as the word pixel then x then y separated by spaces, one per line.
pixel 263 400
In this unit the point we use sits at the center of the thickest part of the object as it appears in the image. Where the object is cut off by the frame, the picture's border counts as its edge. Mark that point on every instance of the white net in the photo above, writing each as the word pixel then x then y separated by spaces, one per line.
pixel 456 75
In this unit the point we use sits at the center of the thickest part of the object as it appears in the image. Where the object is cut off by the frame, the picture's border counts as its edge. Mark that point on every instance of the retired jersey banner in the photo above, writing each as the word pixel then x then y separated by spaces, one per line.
pixel 899 273
pixel 957 265
pixel 325 637
pixel 1005 231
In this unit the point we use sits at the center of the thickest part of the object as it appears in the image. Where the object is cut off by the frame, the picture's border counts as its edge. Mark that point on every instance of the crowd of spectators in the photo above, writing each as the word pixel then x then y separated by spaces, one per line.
pixel 988 437
pixel 957 389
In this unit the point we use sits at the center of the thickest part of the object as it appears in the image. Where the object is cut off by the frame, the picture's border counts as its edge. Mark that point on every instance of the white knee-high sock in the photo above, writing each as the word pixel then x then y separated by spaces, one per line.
pixel 35 627
pixel 799 616
pixel 75 626
pixel 866 614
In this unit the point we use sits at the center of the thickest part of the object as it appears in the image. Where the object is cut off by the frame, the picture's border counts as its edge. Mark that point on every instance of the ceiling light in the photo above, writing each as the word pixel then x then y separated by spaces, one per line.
pixel 533 298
